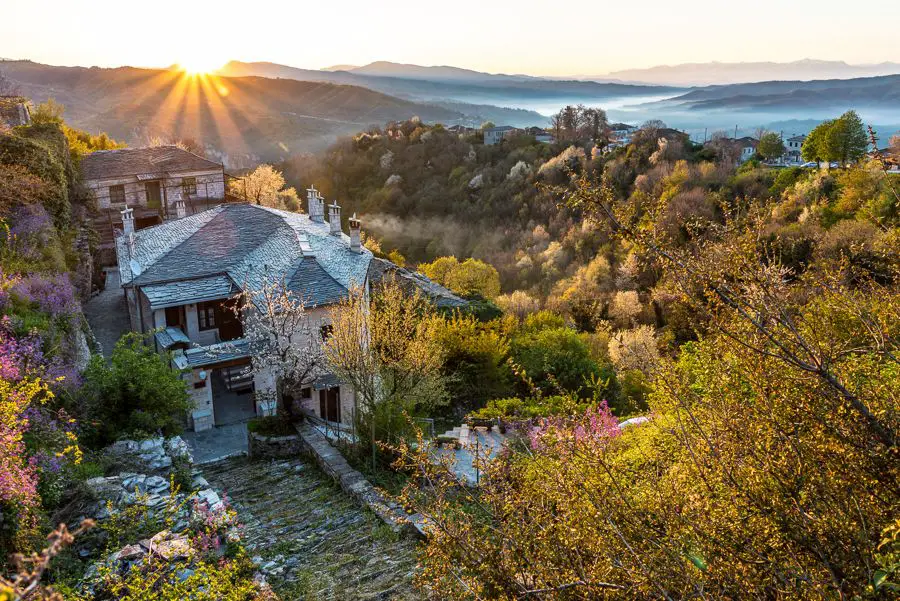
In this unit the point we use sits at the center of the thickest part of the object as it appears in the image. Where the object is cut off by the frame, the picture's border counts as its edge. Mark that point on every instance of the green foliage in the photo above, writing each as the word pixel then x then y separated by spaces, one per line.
pixel 515 409
pixel 468 278
pixel 43 151
pixel 474 362
pixel 843 140
pixel 271 425
pixel 770 146
pixel 136 395
pixel 559 360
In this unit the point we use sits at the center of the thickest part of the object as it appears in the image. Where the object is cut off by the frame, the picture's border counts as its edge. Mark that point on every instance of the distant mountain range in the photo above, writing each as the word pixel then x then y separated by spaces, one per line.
pixel 452 83
pixel 704 74
pixel 879 93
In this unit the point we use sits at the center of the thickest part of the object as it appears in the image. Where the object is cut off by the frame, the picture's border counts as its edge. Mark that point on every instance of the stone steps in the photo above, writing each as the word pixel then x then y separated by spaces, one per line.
pixel 313 540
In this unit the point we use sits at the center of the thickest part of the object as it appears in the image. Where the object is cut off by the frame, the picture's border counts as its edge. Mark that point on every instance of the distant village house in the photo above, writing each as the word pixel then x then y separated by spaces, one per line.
pixel 495 135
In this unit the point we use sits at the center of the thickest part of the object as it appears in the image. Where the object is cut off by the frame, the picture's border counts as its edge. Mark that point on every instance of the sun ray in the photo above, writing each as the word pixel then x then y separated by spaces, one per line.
pixel 227 130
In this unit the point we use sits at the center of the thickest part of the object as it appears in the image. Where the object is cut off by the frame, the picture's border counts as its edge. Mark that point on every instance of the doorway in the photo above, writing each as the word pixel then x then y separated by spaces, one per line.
pixel 154 198
pixel 330 404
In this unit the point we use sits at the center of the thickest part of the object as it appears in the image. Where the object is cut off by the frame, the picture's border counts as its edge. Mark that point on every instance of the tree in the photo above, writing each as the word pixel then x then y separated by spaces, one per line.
pixel 770 146
pixel 136 394
pixel 48 112
pixel 894 145
pixel 846 140
pixel 386 351
pixel 768 467
pixel 265 186
pixel 285 345
pixel 471 277
pixel 557 359
pixel 814 145
pixel 843 139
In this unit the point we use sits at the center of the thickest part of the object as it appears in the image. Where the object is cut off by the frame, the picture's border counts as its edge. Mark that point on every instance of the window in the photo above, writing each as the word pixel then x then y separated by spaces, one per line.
pixel 117 194
pixel 306 394
pixel 206 313
pixel 188 186
pixel 326 332
pixel 175 318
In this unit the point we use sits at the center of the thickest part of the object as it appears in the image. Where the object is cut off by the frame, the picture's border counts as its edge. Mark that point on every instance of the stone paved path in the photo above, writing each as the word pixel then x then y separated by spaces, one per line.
pixel 315 540
pixel 107 314
pixel 217 443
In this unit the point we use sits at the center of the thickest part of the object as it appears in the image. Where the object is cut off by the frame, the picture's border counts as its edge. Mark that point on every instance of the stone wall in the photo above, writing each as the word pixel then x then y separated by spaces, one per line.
pixel 273 447
pixel 330 460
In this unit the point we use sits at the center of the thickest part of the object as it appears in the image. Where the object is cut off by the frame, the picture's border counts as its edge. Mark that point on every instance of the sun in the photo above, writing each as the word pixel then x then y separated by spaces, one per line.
pixel 200 65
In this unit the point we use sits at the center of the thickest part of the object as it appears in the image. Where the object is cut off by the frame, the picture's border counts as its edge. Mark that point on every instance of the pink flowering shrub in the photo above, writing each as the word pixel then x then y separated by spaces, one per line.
pixel 595 426
pixel 215 528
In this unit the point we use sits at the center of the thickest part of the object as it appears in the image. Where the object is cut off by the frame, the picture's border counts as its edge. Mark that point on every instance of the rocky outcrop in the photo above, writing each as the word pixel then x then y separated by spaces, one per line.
pixel 154 455
pixel 188 508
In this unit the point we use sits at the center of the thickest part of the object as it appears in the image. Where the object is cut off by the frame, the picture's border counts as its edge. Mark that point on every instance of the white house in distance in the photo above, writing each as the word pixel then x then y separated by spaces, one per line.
pixel 495 135
pixel 180 278
pixel 793 147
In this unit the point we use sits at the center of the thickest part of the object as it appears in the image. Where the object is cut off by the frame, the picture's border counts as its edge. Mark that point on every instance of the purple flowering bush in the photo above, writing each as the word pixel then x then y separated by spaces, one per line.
pixel 53 295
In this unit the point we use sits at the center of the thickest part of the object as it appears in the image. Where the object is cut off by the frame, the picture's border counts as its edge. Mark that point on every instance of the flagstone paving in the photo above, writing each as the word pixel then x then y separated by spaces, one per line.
pixel 312 540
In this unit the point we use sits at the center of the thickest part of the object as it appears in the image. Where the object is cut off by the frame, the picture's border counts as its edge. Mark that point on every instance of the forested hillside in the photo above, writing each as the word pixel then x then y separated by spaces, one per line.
pixel 247 118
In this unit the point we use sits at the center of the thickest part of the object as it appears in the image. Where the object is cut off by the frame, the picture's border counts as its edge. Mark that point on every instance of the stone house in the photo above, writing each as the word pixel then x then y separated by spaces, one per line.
pixel 179 278
pixel 149 181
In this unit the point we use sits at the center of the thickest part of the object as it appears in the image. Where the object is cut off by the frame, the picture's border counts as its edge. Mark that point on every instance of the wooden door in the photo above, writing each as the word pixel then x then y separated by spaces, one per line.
pixel 330 404
pixel 154 198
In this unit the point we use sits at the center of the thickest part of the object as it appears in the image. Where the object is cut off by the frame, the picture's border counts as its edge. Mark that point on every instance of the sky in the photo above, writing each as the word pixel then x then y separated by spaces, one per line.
pixel 498 36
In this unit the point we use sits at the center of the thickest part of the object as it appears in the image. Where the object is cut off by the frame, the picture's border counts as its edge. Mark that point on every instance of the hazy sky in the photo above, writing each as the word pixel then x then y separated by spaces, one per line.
pixel 523 36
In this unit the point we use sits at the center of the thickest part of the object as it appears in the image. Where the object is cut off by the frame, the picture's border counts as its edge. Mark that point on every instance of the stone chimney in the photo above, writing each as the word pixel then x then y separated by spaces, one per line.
pixel 355 241
pixel 180 210
pixel 334 218
pixel 315 205
pixel 128 221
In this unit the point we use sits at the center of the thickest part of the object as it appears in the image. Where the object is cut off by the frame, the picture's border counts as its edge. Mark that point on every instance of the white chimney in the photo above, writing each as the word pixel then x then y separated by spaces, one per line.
pixel 315 205
pixel 180 210
pixel 334 218
pixel 355 242
pixel 130 244
pixel 128 221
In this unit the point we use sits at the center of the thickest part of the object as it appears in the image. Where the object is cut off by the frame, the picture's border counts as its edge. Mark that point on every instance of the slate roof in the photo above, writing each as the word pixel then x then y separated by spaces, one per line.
pixel 244 245
pixel 412 280
pixel 217 353
pixel 174 294
pixel 313 284
pixel 171 337
pixel 140 161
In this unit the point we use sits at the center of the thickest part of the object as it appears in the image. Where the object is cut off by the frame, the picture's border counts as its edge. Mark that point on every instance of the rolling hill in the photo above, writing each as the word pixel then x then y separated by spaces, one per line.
pixel 713 73
pixel 878 93
pixel 252 117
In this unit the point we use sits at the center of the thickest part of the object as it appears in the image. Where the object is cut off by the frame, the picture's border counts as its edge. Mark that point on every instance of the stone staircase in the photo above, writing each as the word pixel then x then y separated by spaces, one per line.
pixel 312 540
